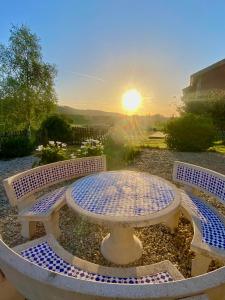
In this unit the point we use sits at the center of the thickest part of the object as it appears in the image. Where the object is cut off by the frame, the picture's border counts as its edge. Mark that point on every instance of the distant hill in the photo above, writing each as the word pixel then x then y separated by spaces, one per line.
pixel 90 117
pixel 86 112
pixel 93 117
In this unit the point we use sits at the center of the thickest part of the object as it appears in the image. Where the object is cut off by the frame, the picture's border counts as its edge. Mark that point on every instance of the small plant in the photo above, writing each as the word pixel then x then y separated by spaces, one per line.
pixel 90 147
pixel 54 151
pixel 130 152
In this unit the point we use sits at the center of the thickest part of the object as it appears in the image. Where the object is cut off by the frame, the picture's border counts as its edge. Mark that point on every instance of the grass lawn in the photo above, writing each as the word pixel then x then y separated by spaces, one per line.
pixel 119 157
pixel 218 147
pixel 154 144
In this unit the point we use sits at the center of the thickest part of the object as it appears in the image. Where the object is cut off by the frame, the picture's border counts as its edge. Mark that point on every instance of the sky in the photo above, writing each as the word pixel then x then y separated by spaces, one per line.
pixel 102 48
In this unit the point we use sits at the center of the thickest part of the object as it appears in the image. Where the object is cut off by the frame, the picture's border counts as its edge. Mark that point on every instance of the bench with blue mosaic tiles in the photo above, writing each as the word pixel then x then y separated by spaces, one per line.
pixel 209 225
pixel 42 269
pixel 21 190
pixel 48 254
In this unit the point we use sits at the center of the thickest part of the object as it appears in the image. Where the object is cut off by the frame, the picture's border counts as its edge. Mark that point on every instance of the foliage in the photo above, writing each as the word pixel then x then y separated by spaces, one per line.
pixel 218 146
pixel 90 147
pixel 190 133
pixel 55 128
pixel 16 146
pixel 130 152
pixel 52 152
pixel 154 143
pixel 26 82
pixel 119 155
pixel 210 103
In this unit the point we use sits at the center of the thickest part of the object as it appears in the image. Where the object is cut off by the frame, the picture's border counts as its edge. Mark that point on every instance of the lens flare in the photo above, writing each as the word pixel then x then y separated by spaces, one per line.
pixel 131 100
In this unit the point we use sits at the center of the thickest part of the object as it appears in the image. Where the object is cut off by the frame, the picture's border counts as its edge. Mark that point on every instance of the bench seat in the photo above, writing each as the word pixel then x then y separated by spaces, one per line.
pixel 48 254
pixel 45 205
pixel 43 255
pixel 209 225
pixel 208 222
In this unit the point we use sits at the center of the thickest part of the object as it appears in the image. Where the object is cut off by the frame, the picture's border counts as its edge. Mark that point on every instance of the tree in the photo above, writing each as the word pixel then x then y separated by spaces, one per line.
pixel 210 103
pixel 27 91
pixel 55 128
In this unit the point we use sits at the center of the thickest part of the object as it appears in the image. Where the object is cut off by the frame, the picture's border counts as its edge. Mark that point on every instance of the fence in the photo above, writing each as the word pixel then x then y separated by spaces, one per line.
pixel 80 134
pixel 8 134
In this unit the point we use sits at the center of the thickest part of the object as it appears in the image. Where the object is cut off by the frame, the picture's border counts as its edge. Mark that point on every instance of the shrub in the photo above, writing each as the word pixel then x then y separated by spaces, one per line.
pixel 130 152
pixel 190 133
pixel 54 151
pixel 16 146
pixel 119 155
pixel 54 128
pixel 90 147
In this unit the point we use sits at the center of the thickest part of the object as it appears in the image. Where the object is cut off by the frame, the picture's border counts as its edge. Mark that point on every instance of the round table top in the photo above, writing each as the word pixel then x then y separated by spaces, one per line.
pixel 123 197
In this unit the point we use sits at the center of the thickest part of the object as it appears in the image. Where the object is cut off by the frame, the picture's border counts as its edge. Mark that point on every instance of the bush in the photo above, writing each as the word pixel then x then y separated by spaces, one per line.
pixel 16 146
pixel 119 155
pixel 190 133
pixel 130 152
pixel 54 128
pixel 54 151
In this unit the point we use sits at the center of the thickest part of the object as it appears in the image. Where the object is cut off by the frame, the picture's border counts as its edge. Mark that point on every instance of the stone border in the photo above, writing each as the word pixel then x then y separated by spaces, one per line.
pixel 27 277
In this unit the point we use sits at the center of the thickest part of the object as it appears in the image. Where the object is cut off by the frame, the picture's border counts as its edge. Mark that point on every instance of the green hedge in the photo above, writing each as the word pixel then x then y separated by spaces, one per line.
pixel 16 146
pixel 190 133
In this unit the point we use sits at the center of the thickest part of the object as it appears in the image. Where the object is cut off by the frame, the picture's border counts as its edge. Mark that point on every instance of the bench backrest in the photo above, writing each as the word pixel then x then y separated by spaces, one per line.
pixel 20 186
pixel 201 178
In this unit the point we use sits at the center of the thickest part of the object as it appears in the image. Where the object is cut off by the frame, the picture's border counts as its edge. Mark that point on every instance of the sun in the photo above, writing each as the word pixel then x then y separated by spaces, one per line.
pixel 131 100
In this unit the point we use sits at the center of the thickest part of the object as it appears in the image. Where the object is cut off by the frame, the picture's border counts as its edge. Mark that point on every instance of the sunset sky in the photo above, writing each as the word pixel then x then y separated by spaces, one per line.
pixel 103 47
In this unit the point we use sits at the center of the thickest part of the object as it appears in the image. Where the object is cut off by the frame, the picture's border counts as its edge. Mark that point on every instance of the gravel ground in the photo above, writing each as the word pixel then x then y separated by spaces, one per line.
pixel 9 227
pixel 83 239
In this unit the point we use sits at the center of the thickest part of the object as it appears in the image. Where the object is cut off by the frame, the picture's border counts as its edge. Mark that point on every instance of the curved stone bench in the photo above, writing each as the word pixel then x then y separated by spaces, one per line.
pixel 21 189
pixel 48 254
pixel 74 278
pixel 209 225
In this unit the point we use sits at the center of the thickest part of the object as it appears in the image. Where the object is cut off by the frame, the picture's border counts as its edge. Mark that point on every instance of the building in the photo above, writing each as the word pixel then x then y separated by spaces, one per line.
pixel 210 78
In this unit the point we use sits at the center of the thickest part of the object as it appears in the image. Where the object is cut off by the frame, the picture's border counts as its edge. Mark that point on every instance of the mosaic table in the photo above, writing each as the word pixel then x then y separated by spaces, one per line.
pixel 122 200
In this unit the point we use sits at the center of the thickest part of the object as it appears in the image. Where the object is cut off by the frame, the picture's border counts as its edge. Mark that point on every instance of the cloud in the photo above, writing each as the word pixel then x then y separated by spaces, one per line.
pixel 89 76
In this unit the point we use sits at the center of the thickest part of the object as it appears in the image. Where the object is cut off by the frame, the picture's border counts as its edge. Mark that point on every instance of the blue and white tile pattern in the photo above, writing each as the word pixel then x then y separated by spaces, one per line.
pixel 212 227
pixel 41 177
pixel 44 256
pixel 200 178
pixel 45 203
pixel 122 193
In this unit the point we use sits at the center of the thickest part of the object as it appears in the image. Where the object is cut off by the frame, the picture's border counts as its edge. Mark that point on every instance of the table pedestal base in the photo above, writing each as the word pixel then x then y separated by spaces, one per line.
pixel 121 246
